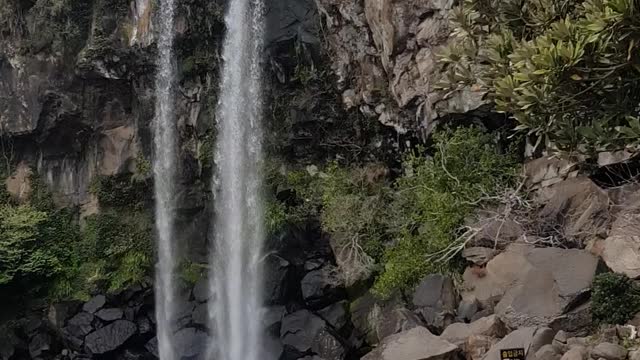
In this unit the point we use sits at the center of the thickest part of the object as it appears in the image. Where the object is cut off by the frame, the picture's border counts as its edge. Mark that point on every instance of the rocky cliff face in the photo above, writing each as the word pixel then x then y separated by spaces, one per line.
pixel 348 80
pixel 385 58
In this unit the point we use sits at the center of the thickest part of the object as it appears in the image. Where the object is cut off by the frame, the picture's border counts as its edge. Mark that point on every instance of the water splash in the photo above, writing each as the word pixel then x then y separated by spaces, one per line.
pixel 236 275
pixel 164 171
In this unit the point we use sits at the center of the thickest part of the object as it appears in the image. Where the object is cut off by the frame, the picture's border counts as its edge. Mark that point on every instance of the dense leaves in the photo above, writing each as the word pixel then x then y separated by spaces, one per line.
pixel 568 70
pixel 615 299
pixel 398 230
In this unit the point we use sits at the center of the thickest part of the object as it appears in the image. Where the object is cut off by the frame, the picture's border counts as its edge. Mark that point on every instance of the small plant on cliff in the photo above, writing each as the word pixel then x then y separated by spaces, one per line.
pixel 431 201
pixel 615 299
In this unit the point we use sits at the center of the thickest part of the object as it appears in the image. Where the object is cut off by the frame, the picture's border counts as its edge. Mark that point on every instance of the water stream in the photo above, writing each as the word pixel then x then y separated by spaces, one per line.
pixel 164 171
pixel 235 278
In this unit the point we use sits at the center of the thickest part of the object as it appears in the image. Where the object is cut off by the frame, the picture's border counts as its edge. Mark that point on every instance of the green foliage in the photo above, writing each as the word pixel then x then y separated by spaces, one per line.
pixel 121 241
pixel 432 199
pixel 396 229
pixel 143 169
pixel 567 71
pixel 303 201
pixel 614 299
pixel 21 252
pixel 190 272
pixel 57 25
pixel 121 191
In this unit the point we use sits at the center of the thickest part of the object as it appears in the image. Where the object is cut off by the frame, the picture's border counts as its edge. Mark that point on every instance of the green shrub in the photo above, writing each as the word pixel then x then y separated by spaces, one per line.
pixel 614 299
pixel 354 212
pixel 432 199
pixel 121 241
pixel 121 191
pixel 22 254
pixel 566 70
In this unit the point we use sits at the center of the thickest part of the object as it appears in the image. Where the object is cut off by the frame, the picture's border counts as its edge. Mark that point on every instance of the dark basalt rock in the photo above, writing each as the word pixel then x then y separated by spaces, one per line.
pixel 277 281
pixel 336 314
pixel 79 326
pixel 109 314
pixel 110 337
pixel 39 345
pixel 96 303
pixel 321 287
pixel 201 291
pixel 303 333
pixel 190 342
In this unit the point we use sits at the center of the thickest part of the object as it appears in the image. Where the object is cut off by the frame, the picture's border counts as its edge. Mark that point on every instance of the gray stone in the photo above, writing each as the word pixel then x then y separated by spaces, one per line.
pixel 623 242
pixel 201 291
pixel 609 351
pixel 479 255
pixel 467 309
pixel 303 332
pixel 547 352
pixel 458 333
pixel 415 344
pixel 109 314
pixel 110 337
pixel 529 338
pixel 277 277
pixel 536 286
pixel 200 314
pixel 634 355
pixel 94 304
pixel 436 299
pixel 39 345
pixel 335 314
pixel 321 287
pixel 79 325
pixel 190 342
pixel 575 353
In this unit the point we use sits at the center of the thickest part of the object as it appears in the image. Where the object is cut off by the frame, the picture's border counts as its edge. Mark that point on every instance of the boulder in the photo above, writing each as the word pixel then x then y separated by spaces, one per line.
pixel 200 314
pixel 201 289
pixel 547 352
pixel 190 342
pixel 467 309
pixel 110 337
pixel 477 346
pixel 535 286
pixel 575 353
pixel 79 326
pixel 529 338
pixel 39 345
pixel 621 247
pixel 335 315
pixel 415 344
pixel 321 287
pixel 549 170
pixel 436 299
pixel 303 332
pixel 458 333
pixel 144 325
pixel 109 314
pixel 579 207
pixel 609 351
pixel 272 319
pixel 375 319
pixel 277 276
pixel 480 255
pixel 94 304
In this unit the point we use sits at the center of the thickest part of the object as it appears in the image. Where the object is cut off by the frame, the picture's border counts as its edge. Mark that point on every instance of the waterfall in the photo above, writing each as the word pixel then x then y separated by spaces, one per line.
pixel 235 278
pixel 164 171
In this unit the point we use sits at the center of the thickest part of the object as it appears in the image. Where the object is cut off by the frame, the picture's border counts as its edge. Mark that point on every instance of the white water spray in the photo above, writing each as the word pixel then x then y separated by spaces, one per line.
pixel 236 275
pixel 164 171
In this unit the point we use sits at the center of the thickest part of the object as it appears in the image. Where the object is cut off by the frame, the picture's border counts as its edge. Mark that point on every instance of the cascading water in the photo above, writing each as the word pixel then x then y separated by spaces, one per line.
pixel 164 171
pixel 235 275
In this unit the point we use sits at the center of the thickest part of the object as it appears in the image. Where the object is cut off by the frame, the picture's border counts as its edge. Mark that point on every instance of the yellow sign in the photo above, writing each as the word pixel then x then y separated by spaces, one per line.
pixel 512 354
